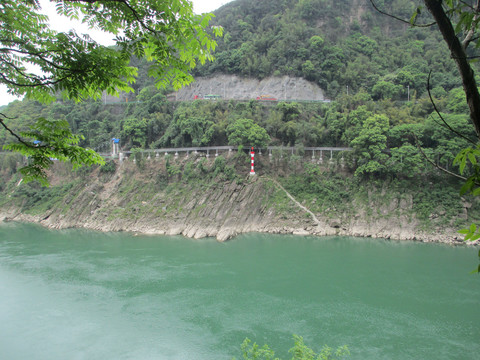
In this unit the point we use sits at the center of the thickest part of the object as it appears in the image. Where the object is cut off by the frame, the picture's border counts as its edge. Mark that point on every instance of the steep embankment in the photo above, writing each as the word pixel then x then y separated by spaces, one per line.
pixel 198 198
pixel 141 201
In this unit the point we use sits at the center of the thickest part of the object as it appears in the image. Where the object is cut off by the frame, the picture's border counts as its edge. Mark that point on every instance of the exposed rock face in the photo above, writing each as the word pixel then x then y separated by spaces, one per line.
pixel 234 87
pixel 221 209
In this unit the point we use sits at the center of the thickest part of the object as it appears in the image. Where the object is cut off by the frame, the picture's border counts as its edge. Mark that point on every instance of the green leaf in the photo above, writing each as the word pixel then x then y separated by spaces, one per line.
pixel 414 16
pixel 475 237
pixel 463 162
pixel 466 186
pixel 472 158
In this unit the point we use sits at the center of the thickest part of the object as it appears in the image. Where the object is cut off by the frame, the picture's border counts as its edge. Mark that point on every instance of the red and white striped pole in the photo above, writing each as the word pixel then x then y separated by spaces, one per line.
pixel 252 170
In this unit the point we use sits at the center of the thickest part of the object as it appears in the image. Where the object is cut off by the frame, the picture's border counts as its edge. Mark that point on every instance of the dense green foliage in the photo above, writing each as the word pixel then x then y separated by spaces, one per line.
pixel 384 135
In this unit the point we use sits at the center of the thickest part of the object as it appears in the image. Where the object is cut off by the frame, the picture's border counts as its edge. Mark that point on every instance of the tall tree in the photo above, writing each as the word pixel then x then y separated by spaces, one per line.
pixel 246 132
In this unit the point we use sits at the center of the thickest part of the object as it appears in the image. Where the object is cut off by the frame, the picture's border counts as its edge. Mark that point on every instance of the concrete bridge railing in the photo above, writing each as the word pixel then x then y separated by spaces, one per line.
pixel 208 150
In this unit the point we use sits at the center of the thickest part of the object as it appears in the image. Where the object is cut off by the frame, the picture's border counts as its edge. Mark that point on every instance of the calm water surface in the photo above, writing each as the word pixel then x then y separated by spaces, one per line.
pixel 83 295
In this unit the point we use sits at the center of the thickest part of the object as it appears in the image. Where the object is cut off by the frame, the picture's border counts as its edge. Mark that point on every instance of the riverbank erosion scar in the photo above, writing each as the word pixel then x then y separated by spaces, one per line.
pixel 142 202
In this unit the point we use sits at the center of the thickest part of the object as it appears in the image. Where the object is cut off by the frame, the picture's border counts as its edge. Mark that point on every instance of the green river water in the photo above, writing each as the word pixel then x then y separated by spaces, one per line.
pixel 77 294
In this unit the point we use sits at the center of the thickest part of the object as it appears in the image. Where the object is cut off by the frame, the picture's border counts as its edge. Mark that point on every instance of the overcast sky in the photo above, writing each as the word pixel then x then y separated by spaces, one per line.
pixel 199 7
pixel 202 6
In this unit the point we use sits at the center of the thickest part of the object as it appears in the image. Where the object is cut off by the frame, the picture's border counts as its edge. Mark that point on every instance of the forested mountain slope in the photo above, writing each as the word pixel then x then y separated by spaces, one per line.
pixel 333 43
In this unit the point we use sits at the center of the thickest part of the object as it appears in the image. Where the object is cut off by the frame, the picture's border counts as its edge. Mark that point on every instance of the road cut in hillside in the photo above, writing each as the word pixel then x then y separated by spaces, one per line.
pixel 229 87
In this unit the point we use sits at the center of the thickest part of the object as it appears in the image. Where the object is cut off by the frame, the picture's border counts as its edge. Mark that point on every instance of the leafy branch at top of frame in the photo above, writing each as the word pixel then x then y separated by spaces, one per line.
pixel 167 33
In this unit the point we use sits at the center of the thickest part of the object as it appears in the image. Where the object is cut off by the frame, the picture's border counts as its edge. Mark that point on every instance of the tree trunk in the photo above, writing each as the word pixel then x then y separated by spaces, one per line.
pixel 460 56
